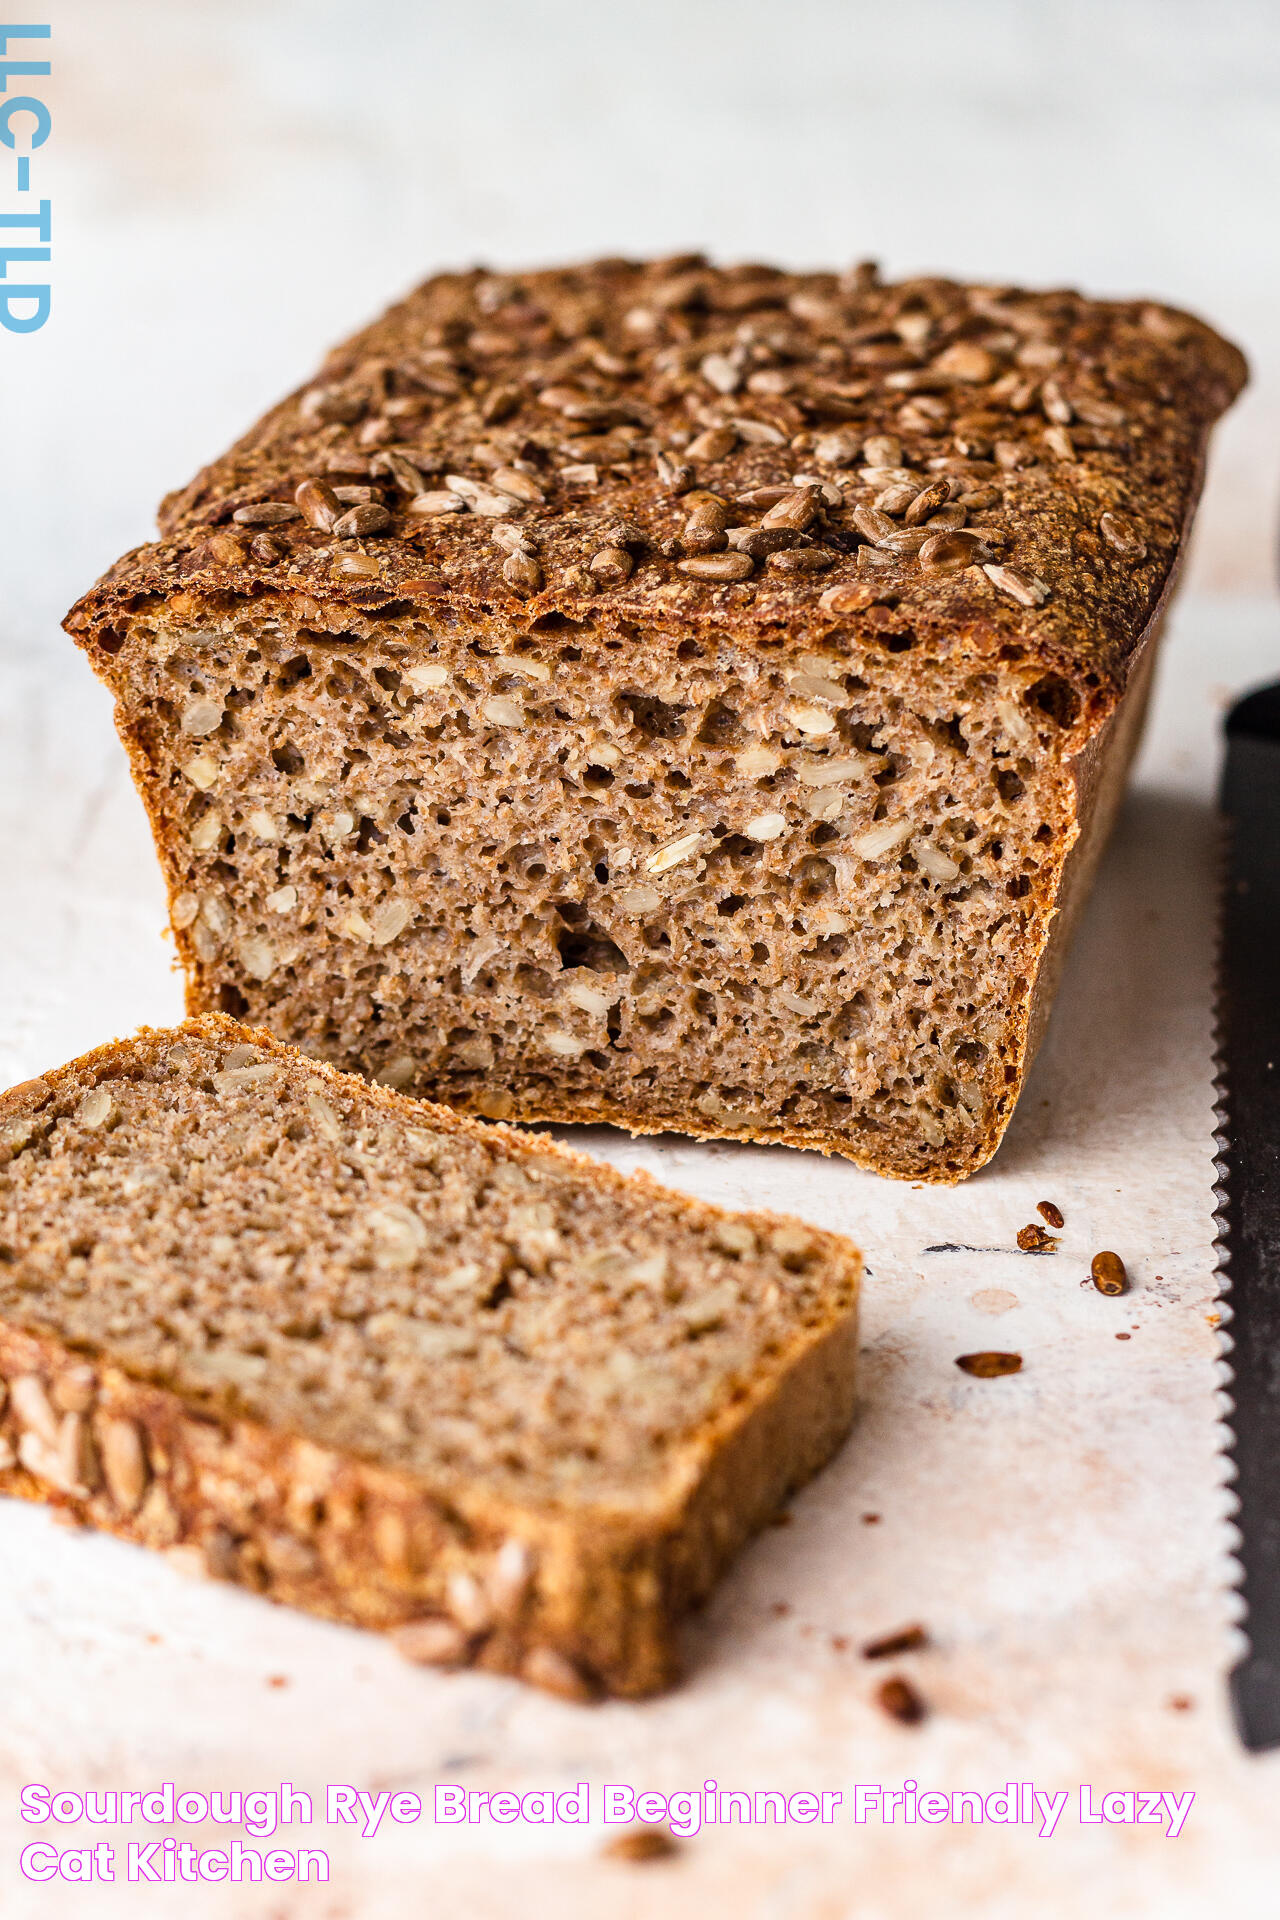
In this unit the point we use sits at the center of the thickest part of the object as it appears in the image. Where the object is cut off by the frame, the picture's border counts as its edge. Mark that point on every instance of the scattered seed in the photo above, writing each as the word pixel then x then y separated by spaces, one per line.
pixel 905 1640
pixel 873 525
pixel 639 1845
pixel 899 1699
pixel 1034 1239
pixel 927 501
pixel 1048 1211
pixel 989 1366
pixel 1109 1275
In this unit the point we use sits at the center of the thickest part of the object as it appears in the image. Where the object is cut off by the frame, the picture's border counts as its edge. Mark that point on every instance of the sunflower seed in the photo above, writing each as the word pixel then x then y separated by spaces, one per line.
pixel 521 571
pixel 318 504
pixel 673 473
pixel 1123 536
pixel 872 525
pixel 795 511
pixel 717 443
pixel 717 566
pixel 948 552
pixel 522 485
pixel 801 560
pixel 611 566
pixel 267 513
pixel 361 521
pixel 927 501
pixel 1022 587
pixel 424 505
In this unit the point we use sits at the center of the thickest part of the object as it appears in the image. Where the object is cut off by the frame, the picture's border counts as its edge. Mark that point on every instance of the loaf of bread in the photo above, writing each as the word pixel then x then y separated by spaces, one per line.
pixel 683 697
pixel 377 1360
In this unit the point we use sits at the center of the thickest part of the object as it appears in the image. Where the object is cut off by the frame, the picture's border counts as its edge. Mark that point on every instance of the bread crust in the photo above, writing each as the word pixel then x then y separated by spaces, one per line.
pixel 582 1599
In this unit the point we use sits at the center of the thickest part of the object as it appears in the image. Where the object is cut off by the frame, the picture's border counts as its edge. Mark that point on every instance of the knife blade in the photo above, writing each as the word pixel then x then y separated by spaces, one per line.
pixel 1249 1210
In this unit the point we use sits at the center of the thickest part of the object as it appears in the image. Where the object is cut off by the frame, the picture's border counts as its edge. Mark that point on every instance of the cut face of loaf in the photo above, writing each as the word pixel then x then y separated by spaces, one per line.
pixel 384 1363
pixel 692 699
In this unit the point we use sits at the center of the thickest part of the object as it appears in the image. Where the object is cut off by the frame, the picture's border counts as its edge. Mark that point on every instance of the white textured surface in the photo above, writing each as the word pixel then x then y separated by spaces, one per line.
pixel 234 186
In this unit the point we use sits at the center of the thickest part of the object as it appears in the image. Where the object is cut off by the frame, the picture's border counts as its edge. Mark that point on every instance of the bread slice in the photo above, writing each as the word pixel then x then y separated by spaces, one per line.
pixel 684 697
pixel 395 1366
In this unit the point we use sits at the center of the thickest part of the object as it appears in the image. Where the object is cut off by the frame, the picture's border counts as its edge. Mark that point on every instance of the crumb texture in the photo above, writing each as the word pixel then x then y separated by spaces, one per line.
pixel 659 693
pixel 381 1361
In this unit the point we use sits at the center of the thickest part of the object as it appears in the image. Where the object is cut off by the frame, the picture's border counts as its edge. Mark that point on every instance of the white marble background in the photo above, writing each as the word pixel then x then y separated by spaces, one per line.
pixel 235 184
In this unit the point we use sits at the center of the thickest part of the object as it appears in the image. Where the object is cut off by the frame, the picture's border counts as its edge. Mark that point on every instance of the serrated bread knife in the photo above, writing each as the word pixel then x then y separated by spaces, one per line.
pixel 1249 1212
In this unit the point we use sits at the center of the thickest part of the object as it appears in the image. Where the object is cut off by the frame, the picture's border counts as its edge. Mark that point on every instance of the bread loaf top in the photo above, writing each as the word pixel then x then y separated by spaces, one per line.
pixel 724 452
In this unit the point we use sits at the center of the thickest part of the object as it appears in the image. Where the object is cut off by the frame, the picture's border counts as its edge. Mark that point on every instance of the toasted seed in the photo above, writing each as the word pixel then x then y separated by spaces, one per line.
pixel 521 571
pixel 717 566
pixel 640 1844
pixel 897 498
pixel 1109 1275
pixel 432 1643
pixel 882 450
pixel 905 1640
pixel 1048 1211
pixel 704 530
pixel 124 1461
pixel 402 470
pixel 511 538
pixel 522 485
pixel 75 1389
pixel 899 1699
pixel 907 540
pixel 811 720
pixel 763 496
pixel 439 501
pixel 1056 405
pixel 796 511
pixel 759 541
pixel 882 839
pixel 266 551
pixel 32 1406
pixel 267 513
pixel 1028 592
pixel 949 552
pixel 989 1366
pixel 801 560
pixel 673 473
pixel 1059 443
pixel 359 522
pixel 717 443
pixel 927 501
pixel 319 504
pixel 1123 536
pixel 1034 1239
pixel 837 449
pixel 611 566
pixel 872 525
pixel 555 1673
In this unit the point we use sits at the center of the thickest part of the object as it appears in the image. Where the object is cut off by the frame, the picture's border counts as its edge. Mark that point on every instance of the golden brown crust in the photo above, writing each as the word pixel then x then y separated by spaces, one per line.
pixel 580 1599
pixel 1083 420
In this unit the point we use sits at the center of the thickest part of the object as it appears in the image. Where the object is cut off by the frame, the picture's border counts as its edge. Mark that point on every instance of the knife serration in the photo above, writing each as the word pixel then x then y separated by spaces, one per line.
pixel 1249 1204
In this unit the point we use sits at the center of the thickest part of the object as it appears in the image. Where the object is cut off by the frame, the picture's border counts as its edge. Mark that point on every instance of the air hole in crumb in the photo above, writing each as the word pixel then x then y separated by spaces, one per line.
pixel 1055 698
pixel 731 904
pixel 286 759
pixel 592 948
pixel 231 1001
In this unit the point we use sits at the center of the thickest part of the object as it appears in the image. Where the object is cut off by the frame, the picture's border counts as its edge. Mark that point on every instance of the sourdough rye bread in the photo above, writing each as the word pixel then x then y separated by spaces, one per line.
pixel 378 1360
pixel 684 697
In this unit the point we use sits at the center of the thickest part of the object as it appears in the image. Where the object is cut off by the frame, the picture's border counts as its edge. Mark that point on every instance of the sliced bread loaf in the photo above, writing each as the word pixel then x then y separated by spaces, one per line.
pixel 685 697
pixel 395 1366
